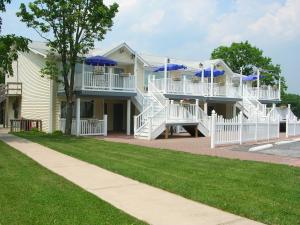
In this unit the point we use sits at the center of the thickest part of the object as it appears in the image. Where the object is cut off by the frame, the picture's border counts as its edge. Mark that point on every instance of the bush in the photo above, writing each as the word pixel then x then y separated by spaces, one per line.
pixel 57 133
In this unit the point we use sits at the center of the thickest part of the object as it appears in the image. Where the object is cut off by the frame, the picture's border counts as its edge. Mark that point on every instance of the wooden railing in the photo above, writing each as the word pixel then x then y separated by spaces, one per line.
pixel 25 125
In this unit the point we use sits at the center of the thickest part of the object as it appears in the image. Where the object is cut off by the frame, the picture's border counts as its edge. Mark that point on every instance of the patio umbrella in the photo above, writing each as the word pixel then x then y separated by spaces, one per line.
pixel 170 67
pixel 207 73
pixel 252 77
pixel 99 61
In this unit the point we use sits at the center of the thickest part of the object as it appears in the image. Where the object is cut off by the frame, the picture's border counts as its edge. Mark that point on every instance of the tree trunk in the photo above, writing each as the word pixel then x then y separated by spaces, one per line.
pixel 69 116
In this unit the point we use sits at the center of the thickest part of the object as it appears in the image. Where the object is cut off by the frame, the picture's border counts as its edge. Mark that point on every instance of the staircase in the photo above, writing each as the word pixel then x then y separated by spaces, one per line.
pixel 250 106
pixel 158 112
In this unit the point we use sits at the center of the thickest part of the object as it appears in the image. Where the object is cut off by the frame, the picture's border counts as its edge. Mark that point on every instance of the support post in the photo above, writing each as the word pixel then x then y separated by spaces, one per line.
pixel 205 107
pixel 83 76
pixel 202 75
pixel 234 110
pixel 241 127
pixel 78 128
pixel 134 124
pixel 135 69
pixel 279 88
pixel 211 79
pixel 287 121
pixel 128 116
pixel 184 84
pixel 110 80
pixel 165 74
pixel 258 83
pixel 105 125
pixel 213 129
pixel 196 109
pixel 150 128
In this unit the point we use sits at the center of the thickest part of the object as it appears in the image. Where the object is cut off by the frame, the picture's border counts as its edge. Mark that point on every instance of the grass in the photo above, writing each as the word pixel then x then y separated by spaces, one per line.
pixel 32 195
pixel 264 192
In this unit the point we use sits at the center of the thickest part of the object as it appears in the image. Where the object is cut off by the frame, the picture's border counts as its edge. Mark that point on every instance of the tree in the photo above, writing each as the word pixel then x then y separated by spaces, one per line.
pixel 244 55
pixel 294 100
pixel 70 28
pixel 9 47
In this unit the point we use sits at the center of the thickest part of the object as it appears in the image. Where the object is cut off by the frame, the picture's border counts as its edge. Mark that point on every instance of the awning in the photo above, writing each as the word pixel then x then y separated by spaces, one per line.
pixel 252 77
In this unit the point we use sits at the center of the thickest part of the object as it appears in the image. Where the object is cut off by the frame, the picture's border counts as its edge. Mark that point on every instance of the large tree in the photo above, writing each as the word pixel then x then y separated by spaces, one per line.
pixel 10 45
pixel 70 28
pixel 244 55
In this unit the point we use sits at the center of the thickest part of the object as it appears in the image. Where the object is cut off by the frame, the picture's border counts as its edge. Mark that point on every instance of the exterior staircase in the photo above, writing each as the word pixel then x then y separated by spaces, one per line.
pixel 250 106
pixel 158 112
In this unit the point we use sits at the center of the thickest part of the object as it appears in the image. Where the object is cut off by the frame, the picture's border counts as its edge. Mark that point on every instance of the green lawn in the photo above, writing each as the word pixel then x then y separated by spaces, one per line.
pixel 30 194
pixel 265 192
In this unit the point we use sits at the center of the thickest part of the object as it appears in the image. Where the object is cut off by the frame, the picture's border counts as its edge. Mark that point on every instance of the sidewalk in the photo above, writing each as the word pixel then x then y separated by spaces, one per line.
pixel 142 201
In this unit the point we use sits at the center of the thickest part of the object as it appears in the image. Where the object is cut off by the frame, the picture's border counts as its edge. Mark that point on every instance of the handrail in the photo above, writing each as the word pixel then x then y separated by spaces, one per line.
pixel 142 118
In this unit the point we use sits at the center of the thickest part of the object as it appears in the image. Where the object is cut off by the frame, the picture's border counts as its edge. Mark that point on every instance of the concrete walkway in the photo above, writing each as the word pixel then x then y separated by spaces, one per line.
pixel 142 201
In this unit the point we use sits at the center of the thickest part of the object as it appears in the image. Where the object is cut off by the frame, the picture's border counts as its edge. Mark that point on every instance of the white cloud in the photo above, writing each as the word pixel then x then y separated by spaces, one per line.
pixel 149 23
pixel 282 23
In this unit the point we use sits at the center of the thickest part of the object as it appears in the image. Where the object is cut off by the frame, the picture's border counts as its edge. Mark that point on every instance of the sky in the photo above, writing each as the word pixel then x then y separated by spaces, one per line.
pixel 191 29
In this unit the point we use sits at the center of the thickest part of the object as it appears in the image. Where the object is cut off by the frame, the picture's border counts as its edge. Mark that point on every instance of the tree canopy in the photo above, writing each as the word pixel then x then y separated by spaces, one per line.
pixel 70 28
pixel 244 55
pixel 9 47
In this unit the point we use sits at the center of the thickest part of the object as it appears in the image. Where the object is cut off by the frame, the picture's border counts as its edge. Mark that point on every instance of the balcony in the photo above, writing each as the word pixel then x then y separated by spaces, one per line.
pixel 264 93
pixel 191 87
pixel 108 82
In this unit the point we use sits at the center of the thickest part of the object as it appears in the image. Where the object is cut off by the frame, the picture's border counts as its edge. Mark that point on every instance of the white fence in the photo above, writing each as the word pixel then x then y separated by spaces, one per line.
pixel 87 127
pixel 240 129
pixel 292 124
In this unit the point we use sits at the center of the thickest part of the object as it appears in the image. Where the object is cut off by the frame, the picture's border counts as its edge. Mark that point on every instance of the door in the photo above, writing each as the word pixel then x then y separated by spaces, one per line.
pixel 118 117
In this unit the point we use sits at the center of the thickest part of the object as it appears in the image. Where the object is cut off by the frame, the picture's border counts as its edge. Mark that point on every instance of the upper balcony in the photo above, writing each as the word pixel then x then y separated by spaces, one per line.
pixel 185 86
pixel 102 76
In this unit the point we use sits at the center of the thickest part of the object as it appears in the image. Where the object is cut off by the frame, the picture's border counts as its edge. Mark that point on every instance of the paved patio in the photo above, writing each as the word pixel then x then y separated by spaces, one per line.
pixel 153 205
pixel 202 146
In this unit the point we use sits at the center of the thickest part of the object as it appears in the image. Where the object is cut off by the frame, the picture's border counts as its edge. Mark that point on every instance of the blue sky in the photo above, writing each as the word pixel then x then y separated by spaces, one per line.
pixel 191 29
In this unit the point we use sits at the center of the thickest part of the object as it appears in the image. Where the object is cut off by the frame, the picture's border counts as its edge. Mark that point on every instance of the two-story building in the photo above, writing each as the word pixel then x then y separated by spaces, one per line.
pixel 140 94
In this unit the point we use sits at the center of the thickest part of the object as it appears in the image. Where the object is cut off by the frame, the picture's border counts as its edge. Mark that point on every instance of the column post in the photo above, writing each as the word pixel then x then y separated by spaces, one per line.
pixel 135 70
pixel 83 75
pixel 241 127
pixel 205 107
pixel 234 110
pixel 258 83
pixel 105 125
pixel 211 79
pixel 165 74
pixel 279 88
pixel 78 128
pixel 110 78
pixel 213 129
pixel 196 109
pixel 128 116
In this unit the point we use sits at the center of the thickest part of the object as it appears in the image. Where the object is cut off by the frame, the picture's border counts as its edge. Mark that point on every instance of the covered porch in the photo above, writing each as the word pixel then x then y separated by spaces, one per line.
pixel 99 116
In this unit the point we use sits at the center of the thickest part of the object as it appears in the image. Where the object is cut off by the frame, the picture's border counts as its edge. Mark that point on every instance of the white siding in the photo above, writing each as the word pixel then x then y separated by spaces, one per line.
pixel 35 103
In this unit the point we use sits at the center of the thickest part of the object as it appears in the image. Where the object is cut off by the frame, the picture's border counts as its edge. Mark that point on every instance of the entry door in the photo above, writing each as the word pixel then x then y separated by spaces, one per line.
pixel 118 117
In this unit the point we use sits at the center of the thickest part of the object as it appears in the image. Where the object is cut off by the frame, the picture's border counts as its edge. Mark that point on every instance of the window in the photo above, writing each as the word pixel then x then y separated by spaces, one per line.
pixel 86 109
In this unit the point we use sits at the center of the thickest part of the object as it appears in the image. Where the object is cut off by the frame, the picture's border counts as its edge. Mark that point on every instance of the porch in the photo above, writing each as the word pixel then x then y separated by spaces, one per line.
pixel 99 116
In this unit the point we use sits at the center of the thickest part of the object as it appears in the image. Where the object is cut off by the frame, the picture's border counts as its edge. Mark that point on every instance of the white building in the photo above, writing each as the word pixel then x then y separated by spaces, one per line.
pixel 135 99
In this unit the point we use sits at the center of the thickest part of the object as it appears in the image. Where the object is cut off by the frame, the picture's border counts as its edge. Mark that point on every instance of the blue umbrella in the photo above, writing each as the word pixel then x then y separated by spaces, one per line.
pixel 252 77
pixel 207 73
pixel 99 61
pixel 170 67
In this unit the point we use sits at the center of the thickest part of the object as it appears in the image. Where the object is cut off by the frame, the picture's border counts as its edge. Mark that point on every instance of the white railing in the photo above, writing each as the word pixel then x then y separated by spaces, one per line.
pixel 184 86
pixel 240 129
pixel 292 124
pixel 157 123
pixel 156 94
pixel 87 126
pixel 267 93
pixel 106 81
pixel 177 113
pixel 252 105
pixel 141 120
